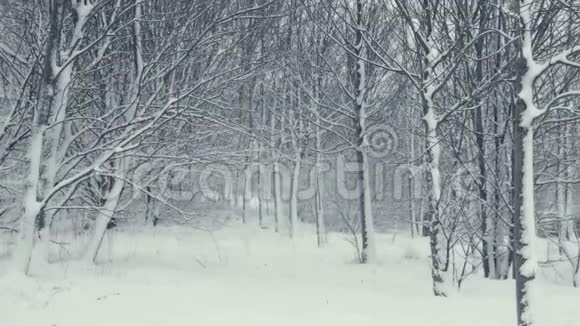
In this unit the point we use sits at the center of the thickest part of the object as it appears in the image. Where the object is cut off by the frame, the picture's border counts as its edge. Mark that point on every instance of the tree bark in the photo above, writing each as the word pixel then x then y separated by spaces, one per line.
pixel 321 235
pixel 523 169
pixel 294 195
pixel 104 217
pixel 368 254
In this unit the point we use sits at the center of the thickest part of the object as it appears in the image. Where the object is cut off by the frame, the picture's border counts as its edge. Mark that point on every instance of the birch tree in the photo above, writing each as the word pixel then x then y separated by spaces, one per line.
pixel 530 67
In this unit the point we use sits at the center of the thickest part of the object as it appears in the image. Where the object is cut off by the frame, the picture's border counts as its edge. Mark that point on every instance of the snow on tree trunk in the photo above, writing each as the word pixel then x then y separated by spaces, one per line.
pixel 422 228
pixel 103 218
pixel 491 246
pixel 244 196
pixel 263 182
pixel 23 252
pixel 319 186
pixel 561 196
pixel 52 139
pixel 368 254
pixel 523 169
pixel 276 179
pixel 439 261
pixel 277 196
pixel 411 190
pixel 32 207
pixel 570 217
pixel 59 67
pixel 296 120
pixel 524 220
pixel 294 195
pixel 320 221
pixel 261 186
pixel 413 219
pixel 503 243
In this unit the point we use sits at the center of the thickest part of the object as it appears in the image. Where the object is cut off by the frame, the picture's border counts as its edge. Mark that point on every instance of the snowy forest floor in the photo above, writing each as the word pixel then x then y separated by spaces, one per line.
pixel 244 275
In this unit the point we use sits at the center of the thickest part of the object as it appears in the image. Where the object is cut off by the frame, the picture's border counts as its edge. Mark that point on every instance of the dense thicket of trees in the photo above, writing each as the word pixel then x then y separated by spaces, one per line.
pixel 106 103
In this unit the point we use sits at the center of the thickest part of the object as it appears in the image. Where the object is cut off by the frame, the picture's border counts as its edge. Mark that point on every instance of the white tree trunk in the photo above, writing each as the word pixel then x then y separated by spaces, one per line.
pixel 570 217
pixel 412 218
pixel 51 112
pixel 32 207
pixel 318 184
pixel 439 261
pixel 25 246
pixel 276 187
pixel 247 193
pixel 261 187
pixel 277 196
pixel 561 197
pixel 491 246
pixel 369 252
pixel 411 181
pixel 320 221
pixel 294 195
pixel 55 151
pixel 102 220
pixel 524 220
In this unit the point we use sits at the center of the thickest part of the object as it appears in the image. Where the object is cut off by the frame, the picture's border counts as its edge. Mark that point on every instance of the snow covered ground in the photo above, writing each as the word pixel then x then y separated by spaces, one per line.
pixel 244 275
